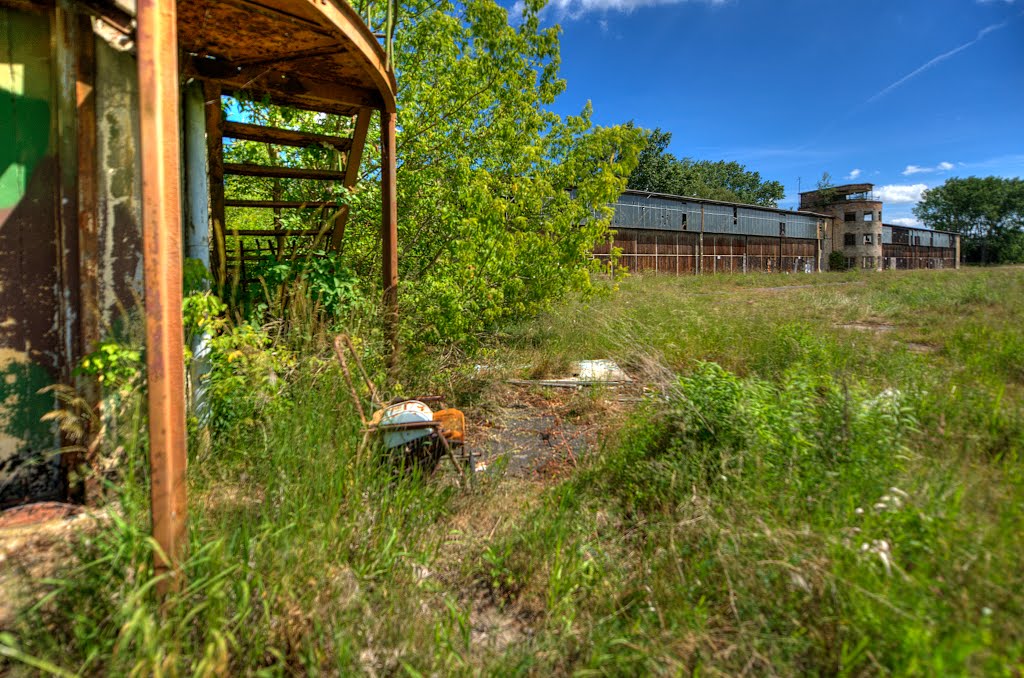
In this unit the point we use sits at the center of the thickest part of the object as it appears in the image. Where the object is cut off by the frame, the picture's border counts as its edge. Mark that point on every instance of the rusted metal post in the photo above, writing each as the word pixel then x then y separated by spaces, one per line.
pixel 89 318
pixel 161 235
pixel 389 232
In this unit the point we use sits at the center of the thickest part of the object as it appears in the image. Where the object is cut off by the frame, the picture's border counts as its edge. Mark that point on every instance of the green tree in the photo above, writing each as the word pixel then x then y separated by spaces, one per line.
pixel 500 200
pixel 987 211
pixel 661 172
pixel 657 170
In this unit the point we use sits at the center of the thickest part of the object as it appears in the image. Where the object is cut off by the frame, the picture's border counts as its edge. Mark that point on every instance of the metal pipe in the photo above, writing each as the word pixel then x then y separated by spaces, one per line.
pixel 197 233
pixel 161 237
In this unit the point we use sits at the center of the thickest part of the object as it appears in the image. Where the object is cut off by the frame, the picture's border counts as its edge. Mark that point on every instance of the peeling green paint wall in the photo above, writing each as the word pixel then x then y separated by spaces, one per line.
pixel 29 332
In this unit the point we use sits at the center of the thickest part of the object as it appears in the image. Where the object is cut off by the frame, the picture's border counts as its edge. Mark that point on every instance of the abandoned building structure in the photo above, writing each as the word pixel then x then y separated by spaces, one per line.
pixel 678 235
pixel 111 139
pixel 866 242
pixel 681 235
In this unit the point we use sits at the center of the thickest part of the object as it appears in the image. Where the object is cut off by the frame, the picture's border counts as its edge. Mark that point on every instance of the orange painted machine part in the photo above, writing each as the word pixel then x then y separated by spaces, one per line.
pixel 453 424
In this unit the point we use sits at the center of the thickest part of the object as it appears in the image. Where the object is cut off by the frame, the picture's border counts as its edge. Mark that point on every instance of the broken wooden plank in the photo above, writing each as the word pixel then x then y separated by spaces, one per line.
pixel 284 137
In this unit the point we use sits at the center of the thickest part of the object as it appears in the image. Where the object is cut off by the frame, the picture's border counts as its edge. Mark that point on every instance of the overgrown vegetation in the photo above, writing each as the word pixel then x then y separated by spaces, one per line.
pixel 500 200
pixel 814 474
pixel 824 478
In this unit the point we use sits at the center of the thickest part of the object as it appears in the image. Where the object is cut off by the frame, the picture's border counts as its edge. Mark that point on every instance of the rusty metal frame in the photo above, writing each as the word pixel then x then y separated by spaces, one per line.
pixel 159 95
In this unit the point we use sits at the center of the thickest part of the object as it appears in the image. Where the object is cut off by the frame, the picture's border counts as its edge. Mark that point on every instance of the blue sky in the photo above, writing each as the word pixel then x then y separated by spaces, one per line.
pixel 900 93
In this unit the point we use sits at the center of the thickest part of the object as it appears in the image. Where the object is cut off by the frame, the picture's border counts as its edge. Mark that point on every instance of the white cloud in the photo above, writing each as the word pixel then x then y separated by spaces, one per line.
pixel 900 194
pixel 905 221
pixel 854 173
pixel 918 169
pixel 574 9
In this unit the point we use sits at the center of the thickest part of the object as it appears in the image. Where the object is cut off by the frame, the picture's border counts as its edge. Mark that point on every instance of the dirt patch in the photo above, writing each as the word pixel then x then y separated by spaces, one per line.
pixel 868 327
pixel 539 433
pixel 495 629
pixel 35 544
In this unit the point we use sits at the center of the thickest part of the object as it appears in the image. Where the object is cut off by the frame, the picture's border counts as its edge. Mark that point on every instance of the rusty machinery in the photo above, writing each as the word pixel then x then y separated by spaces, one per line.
pixel 410 429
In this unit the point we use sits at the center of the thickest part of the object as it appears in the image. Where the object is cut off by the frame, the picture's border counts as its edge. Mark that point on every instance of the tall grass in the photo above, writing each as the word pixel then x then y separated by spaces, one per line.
pixel 805 490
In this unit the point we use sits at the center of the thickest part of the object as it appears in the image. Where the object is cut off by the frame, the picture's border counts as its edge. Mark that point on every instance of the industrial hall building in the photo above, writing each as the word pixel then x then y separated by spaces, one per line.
pixel 659 233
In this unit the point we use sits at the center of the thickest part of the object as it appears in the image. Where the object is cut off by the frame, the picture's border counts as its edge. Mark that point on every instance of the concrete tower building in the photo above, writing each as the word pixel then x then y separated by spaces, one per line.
pixel 856 228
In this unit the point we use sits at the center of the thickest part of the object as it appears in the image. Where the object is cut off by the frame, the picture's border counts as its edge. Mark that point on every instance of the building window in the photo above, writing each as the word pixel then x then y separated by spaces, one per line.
pixel 849 239
pixel 782 228
pixel 869 216
pixel 917 240
pixel 684 221
pixel 868 263
pixel 850 216
pixel 851 263
pixel 869 239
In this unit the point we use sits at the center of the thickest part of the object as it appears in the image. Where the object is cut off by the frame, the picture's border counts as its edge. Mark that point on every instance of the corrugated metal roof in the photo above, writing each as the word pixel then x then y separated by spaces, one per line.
pixel 638 209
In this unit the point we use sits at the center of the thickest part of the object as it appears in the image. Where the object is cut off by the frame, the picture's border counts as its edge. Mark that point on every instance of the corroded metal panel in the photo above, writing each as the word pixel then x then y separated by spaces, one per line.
pixel 30 342
pixel 759 222
pixel 719 219
pixel 801 226
pixel 633 211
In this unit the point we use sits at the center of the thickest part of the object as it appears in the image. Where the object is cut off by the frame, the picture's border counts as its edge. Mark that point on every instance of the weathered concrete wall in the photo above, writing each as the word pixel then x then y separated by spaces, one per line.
pixel 37 142
pixel 120 190
pixel 858 228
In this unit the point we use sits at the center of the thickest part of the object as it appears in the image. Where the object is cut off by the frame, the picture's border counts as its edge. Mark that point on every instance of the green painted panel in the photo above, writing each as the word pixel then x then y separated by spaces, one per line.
pixel 30 344
pixel 25 93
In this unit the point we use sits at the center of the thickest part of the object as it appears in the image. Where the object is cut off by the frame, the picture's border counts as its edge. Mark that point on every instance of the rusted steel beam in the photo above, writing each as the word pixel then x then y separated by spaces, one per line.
pixel 66 63
pixel 250 170
pixel 89 316
pixel 355 159
pixel 161 226
pixel 65 35
pixel 215 167
pixel 88 188
pixel 284 137
pixel 389 233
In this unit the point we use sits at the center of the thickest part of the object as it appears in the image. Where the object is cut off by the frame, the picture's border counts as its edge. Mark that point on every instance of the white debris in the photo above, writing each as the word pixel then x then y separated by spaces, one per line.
pixel 599 370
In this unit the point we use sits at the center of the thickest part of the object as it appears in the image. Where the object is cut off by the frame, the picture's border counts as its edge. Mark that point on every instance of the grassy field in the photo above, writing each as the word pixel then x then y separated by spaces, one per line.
pixel 823 476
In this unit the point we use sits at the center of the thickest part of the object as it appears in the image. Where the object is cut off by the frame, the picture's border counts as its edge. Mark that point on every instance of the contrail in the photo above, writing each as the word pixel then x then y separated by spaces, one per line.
pixel 921 69
pixel 942 57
